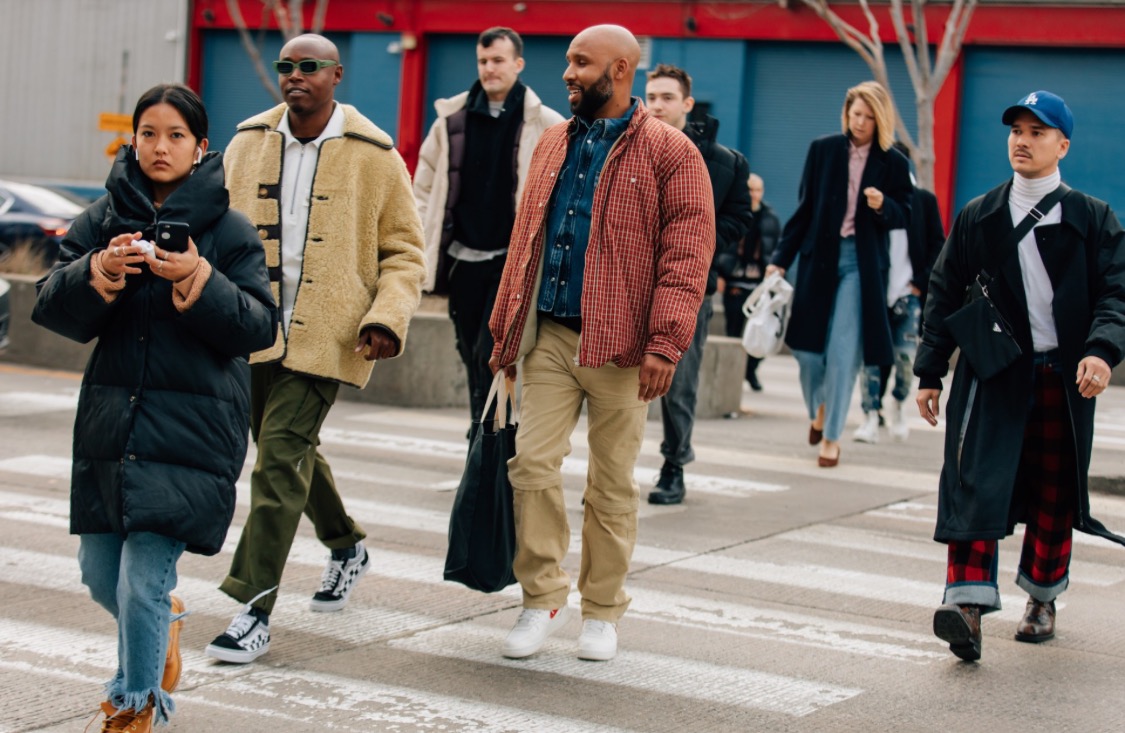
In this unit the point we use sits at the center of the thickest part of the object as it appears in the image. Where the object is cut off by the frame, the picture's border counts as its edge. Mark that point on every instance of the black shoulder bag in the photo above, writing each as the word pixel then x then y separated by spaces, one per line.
pixel 983 334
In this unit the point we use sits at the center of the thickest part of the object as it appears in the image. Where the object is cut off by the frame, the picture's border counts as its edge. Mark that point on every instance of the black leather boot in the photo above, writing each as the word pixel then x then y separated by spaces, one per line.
pixel 670 486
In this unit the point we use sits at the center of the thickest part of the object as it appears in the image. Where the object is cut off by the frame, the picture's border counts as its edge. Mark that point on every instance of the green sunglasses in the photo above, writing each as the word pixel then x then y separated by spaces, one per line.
pixel 307 66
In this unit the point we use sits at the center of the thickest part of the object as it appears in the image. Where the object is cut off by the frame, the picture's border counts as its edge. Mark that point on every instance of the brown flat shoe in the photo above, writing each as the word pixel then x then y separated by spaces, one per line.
pixel 1038 623
pixel 815 436
pixel 825 462
pixel 959 626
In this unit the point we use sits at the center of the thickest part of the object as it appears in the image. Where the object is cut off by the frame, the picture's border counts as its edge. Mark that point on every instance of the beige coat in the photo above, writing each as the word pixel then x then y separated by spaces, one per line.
pixel 431 178
pixel 363 251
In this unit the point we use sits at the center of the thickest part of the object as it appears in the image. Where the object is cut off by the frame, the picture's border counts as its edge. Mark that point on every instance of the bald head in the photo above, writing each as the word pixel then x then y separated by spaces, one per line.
pixel 757 190
pixel 310 45
pixel 601 63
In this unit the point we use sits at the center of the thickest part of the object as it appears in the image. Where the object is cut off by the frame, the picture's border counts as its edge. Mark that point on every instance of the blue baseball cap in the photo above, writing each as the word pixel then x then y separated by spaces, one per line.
pixel 1048 107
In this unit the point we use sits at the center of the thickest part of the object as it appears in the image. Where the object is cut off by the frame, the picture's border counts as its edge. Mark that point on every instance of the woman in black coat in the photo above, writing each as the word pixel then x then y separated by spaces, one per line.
pixel 161 431
pixel 854 189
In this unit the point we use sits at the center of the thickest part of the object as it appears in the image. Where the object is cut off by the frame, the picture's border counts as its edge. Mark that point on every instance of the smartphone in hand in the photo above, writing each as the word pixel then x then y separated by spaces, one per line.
pixel 172 236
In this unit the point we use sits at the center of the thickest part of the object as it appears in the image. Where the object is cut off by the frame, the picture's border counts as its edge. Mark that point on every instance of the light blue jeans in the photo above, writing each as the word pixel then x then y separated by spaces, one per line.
pixel 131 578
pixel 829 378
pixel 905 316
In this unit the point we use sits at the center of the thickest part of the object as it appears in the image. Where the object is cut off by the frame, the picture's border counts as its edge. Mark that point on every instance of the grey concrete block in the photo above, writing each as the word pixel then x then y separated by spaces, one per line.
pixel 720 379
pixel 33 345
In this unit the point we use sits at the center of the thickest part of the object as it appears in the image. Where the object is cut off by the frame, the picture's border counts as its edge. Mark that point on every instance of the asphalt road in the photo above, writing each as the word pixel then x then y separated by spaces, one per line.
pixel 779 597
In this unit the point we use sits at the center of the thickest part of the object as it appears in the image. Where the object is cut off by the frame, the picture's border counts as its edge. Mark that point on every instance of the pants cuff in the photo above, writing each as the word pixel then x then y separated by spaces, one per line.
pixel 1042 593
pixel 244 592
pixel 985 595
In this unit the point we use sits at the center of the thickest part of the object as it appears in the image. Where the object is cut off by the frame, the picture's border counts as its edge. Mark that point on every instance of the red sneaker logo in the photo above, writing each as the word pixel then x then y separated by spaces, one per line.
pixel 555 611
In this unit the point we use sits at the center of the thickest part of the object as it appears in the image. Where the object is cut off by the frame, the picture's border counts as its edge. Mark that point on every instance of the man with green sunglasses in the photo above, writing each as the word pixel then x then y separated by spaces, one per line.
pixel 332 203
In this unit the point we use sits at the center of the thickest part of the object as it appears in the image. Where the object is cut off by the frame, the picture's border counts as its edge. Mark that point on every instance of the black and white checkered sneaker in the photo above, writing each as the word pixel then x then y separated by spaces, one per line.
pixel 339 578
pixel 246 639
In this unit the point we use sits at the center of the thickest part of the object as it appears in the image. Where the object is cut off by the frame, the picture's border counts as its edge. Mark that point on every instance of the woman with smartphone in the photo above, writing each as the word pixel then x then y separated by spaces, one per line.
pixel 160 435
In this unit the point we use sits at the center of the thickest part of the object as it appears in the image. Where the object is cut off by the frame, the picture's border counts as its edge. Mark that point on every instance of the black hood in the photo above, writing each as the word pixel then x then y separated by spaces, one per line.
pixel 199 201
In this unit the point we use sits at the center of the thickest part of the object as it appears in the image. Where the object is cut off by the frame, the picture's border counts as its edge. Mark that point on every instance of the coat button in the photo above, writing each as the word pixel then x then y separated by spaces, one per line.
pixel 263 192
pixel 132 398
pixel 132 457
pixel 263 234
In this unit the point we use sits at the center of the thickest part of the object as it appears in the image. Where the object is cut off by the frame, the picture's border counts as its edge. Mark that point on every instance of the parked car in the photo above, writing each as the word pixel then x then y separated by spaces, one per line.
pixel 5 313
pixel 36 215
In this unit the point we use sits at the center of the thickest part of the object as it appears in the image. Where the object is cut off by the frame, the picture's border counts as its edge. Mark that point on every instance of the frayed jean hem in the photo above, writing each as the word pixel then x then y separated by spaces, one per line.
pixel 163 704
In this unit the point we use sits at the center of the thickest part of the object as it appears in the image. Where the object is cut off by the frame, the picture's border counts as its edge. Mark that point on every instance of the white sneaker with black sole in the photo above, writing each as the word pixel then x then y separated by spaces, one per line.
pixel 338 580
pixel 246 639
pixel 532 629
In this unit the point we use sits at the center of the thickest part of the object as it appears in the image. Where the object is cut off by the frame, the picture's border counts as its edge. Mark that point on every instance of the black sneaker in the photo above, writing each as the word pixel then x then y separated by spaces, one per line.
pixel 339 578
pixel 246 639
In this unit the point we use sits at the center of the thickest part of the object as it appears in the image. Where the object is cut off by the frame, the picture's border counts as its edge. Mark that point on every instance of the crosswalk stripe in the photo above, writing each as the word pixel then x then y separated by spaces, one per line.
pixel 849 538
pixel 60 573
pixel 840 581
pixel 15 404
pixel 292 694
pixel 719 685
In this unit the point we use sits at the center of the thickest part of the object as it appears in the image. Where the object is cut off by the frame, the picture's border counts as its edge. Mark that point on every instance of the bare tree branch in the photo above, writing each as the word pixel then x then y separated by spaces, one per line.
pixel 252 51
pixel 296 18
pixel 318 16
pixel 955 27
pixel 921 38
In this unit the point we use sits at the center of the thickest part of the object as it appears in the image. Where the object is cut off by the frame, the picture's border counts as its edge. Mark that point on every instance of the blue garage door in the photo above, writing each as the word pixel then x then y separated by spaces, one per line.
pixel 232 90
pixel 451 66
pixel 1088 80
pixel 793 93
pixel 715 68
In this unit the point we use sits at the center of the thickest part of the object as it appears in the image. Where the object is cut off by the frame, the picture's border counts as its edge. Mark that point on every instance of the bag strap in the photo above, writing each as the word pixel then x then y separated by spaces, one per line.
pixel 508 409
pixel 1034 216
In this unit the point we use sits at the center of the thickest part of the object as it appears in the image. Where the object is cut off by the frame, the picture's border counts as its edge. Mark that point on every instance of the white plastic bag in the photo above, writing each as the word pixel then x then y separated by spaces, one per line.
pixel 767 316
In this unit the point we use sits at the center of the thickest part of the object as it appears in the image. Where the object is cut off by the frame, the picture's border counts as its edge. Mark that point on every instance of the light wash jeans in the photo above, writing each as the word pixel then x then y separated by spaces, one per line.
pixel 905 316
pixel 677 407
pixel 131 578
pixel 829 378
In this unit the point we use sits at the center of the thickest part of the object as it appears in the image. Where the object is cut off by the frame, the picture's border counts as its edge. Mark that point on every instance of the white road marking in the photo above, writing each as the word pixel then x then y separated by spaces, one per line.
pixel 14 404
pixel 291 694
pixel 656 673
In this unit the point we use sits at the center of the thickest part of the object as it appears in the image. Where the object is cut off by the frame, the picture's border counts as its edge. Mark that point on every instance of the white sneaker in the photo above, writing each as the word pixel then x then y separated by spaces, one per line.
pixel 532 629
pixel 598 642
pixel 869 431
pixel 899 429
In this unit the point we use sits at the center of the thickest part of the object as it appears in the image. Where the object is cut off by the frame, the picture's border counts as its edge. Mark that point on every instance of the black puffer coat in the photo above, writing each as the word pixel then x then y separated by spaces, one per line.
pixel 728 170
pixel 1084 256
pixel 161 432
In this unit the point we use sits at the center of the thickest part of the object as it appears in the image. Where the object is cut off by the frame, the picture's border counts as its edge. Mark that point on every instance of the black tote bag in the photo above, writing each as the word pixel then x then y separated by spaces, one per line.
pixel 482 527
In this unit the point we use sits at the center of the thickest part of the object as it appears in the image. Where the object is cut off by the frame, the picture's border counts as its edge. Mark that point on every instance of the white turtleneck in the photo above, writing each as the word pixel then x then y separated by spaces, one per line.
pixel 1026 193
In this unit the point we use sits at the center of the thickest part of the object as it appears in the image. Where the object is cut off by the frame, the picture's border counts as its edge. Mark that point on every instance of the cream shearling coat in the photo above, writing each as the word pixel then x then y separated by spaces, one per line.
pixel 431 178
pixel 363 251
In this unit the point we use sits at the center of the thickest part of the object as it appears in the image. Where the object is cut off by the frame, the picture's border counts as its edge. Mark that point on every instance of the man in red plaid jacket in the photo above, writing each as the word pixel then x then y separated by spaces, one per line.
pixel 606 272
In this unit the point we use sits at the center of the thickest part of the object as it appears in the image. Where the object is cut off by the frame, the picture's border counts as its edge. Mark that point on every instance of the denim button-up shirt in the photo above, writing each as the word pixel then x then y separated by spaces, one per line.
pixel 568 224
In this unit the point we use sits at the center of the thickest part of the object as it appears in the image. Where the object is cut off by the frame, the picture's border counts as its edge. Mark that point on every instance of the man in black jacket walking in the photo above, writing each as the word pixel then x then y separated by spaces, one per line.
pixel 669 99
pixel 1017 445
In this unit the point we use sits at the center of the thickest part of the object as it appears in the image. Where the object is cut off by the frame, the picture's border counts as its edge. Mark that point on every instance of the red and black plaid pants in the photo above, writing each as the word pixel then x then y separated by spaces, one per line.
pixel 1045 493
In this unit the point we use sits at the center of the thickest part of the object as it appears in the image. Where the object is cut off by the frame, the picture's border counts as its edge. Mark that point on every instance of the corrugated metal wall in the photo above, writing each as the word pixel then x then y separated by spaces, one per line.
pixel 62 62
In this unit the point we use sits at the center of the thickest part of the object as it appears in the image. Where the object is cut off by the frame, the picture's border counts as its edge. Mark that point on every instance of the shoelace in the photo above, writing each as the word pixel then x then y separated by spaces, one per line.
pixel 331 575
pixel 244 620
pixel 598 628
pixel 532 617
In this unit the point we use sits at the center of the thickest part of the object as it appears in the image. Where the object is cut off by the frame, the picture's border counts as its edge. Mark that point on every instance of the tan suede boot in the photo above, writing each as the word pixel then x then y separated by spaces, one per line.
pixel 173 663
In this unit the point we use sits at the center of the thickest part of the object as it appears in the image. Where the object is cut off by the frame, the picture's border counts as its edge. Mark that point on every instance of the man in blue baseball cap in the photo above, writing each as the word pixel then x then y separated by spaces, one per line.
pixel 1017 443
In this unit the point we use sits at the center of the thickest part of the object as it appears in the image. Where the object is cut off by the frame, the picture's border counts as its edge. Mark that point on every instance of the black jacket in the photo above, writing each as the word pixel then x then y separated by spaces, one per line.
pixel 1085 258
pixel 814 232
pixel 728 170
pixel 926 235
pixel 161 431
pixel 754 251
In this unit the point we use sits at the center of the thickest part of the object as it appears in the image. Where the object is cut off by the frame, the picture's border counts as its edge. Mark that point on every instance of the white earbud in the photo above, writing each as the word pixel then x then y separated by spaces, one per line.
pixel 198 156
pixel 137 153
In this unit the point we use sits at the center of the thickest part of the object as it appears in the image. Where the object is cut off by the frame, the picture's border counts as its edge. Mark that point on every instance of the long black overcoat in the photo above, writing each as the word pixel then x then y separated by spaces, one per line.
pixel 1085 259
pixel 814 232
pixel 163 415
